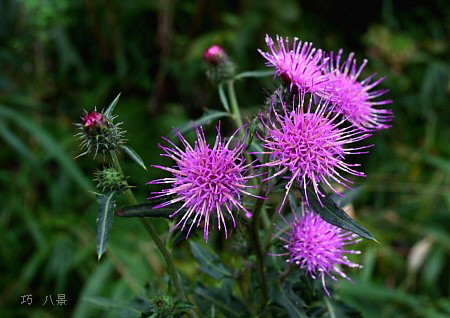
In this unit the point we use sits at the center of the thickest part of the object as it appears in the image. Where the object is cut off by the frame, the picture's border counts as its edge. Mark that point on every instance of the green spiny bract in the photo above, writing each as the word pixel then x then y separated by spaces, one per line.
pixel 109 179
pixel 98 133
pixel 221 71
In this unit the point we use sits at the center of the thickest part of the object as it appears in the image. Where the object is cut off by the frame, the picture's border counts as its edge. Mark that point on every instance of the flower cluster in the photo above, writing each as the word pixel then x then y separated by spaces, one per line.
pixel 313 71
pixel 313 123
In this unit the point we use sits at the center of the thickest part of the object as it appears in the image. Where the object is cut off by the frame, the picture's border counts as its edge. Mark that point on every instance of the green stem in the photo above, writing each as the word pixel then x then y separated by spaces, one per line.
pixel 234 104
pixel 154 235
pixel 236 114
pixel 254 226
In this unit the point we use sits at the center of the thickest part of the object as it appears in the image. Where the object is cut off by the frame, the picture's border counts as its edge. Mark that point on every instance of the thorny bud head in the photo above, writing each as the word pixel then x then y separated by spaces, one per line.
pixel 98 133
pixel 164 305
pixel 215 54
pixel 109 179
pixel 221 68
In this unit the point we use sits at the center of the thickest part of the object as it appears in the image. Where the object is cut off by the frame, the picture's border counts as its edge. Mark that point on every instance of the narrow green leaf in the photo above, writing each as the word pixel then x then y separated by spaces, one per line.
pixel 284 296
pixel 331 213
pixel 16 143
pixel 111 304
pixel 206 119
pixel 106 206
pixel 223 98
pixel 134 155
pixel 51 146
pixel 146 210
pixel 212 297
pixel 260 73
pixel 209 262
pixel 251 132
pixel 110 109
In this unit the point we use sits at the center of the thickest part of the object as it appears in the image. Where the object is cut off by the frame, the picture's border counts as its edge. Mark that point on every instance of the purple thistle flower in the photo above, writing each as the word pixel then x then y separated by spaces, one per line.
pixel 310 145
pixel 299 67
pixel 207 180
pixel 319 247
pixel 353 98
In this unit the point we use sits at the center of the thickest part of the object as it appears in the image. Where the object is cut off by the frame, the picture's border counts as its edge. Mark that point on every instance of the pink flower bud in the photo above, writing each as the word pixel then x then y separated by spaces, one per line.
pixel 94 119
pixel 215 54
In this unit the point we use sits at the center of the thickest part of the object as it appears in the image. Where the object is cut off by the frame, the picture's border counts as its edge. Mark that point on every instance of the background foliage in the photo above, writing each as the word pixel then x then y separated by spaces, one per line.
pixel 59 56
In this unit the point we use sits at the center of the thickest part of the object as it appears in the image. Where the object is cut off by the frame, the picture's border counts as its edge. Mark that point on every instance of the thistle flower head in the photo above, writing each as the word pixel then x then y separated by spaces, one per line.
pixel 319 247
pixel 354 99
pixel 310 145
pixel 299 67
pixel 208 180
pixel 215 54
pixel 99 133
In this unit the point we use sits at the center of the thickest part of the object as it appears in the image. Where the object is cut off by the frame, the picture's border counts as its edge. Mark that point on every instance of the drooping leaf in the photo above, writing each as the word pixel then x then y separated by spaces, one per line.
pixel 134 155
pixel 206 119
pixel 110 109
pixel 255 74
pixel 106 206
pixel 223 98
pixel 146 210
pixel 209 262
pixel 330 212
pixel 284 296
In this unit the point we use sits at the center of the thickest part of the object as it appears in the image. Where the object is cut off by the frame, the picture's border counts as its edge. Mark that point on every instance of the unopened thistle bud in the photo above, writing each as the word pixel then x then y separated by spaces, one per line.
pixel 98 133
pixel 109 179
pixel 221 68
pixel 164 305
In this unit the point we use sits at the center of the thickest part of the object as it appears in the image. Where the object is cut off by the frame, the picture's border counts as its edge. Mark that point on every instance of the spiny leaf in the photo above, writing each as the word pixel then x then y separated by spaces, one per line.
pixel 331 213
pixel 106 206
pixel 110 109
pixel 261 73
pixel 209 262
pixel 206 119
pixel 146 210
pixel 134 155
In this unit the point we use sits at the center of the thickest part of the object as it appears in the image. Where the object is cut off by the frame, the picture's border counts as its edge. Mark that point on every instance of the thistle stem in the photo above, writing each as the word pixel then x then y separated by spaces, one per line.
pixel 234 105
pixel 236 114
pixel 260 254
pixel 154 235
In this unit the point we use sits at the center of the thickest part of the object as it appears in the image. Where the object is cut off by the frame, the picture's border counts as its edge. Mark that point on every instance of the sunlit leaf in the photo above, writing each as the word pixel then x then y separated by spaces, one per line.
pixel 109 111
pixel 223 98
pixel 134 155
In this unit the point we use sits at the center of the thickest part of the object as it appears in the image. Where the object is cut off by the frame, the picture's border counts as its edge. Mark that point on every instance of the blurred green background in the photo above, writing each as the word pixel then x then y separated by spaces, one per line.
pixel 58 57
